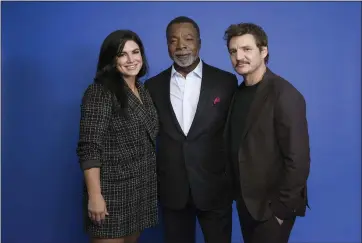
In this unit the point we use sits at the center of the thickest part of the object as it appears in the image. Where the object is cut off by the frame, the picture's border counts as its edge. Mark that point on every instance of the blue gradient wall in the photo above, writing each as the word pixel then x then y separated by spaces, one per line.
pixel 49 54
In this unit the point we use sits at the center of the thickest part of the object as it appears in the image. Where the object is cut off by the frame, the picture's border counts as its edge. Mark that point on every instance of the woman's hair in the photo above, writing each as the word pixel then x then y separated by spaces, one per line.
pixel 107 73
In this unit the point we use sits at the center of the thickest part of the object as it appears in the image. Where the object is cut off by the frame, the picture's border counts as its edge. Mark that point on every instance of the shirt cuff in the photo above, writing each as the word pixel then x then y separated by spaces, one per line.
pixel 89 164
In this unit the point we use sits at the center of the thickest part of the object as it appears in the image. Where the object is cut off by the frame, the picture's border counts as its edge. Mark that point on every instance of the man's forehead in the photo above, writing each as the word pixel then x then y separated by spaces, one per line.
pixel 183 27
pixel 242 41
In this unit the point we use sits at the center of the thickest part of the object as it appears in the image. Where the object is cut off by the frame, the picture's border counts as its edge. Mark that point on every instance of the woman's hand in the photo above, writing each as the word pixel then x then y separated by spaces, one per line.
pixel 97 209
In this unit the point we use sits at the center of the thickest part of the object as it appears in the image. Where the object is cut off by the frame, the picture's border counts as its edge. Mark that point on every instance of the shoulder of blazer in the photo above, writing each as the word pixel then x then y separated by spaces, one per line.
pixel 281 85
pixel 209 68
pixel 227 79
pixel 159 78
pixel 225 75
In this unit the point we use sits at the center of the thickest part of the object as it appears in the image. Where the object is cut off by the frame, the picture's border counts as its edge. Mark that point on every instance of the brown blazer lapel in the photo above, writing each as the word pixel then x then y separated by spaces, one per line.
pixel 257 104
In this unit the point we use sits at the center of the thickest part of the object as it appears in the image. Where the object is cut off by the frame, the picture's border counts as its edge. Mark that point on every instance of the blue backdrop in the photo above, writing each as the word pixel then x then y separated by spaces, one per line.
pixel 49 54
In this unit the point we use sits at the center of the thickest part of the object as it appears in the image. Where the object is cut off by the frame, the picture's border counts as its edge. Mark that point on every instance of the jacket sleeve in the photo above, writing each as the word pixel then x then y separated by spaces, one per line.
pixel 293 140
pixel 96 111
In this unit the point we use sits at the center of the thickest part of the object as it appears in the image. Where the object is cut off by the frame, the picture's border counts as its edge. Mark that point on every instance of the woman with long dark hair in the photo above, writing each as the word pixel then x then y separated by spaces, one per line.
pixel 116 147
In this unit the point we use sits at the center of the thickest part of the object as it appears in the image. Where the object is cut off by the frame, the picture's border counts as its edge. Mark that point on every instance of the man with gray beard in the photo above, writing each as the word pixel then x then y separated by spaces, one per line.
pixel 192 99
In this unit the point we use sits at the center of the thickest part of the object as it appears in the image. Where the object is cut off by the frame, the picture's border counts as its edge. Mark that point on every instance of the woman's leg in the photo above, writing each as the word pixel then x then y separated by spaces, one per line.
pixel 132 238
pixel 97 240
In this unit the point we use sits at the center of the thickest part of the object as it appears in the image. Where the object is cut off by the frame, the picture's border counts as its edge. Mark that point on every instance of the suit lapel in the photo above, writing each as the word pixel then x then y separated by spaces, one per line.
pixel 204 98
pixel 150 115
pixel 227 126
pixel 142 111
pixel 133 103
pixel 261 95
pixel 166 92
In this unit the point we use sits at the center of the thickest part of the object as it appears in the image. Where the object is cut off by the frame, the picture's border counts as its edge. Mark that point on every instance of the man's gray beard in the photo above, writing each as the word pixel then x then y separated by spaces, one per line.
pixel 185 62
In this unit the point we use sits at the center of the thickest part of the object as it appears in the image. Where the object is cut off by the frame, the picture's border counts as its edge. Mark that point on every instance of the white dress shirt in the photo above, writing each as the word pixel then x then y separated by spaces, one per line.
pixel 184 94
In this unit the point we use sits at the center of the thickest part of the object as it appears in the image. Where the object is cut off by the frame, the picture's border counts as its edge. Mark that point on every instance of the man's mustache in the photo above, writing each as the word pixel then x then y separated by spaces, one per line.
pixel 242 62
pixel 182 53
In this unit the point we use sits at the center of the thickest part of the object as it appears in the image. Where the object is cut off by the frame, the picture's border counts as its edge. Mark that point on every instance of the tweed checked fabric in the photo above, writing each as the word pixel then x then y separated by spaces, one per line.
pixel 124 149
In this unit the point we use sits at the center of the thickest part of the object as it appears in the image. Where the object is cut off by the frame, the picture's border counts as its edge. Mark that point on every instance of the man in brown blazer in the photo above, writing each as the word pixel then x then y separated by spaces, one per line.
pixel 268 141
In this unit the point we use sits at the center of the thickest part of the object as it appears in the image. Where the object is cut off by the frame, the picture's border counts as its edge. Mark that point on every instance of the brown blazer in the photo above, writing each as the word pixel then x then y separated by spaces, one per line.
pixel 274 155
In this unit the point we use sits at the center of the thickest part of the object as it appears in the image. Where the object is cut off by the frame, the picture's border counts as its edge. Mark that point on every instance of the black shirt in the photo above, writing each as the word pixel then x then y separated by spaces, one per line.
pixel 240 109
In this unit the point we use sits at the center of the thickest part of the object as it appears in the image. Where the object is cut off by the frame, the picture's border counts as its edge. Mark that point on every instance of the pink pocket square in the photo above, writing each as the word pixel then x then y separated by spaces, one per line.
pixel 216 100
